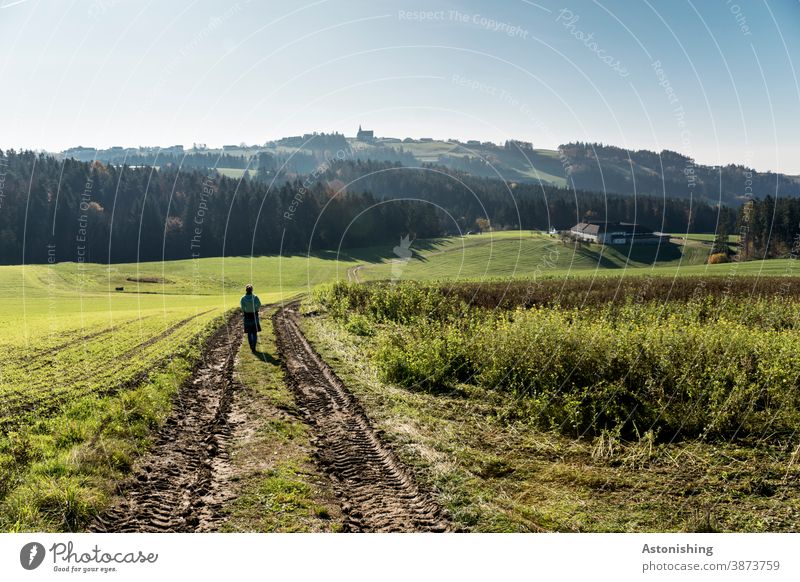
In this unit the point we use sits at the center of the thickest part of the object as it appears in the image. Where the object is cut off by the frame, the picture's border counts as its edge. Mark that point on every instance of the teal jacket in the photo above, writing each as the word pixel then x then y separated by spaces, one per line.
pixel 250 303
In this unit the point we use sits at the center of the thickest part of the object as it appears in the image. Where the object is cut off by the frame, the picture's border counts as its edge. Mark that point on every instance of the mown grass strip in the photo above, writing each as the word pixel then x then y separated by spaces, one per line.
pixel 279 487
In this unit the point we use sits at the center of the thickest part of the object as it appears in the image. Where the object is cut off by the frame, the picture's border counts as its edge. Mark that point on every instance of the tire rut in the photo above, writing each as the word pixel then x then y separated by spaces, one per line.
pixel 44 402
pixel 377 493
pixel 179 485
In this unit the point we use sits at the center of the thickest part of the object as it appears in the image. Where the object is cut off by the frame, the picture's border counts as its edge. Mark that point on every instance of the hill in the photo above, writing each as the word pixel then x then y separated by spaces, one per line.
pixel 534 256
pixel 586 166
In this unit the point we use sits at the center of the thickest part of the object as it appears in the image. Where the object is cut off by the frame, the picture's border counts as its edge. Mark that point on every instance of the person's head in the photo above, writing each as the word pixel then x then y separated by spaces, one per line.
pixel 249 289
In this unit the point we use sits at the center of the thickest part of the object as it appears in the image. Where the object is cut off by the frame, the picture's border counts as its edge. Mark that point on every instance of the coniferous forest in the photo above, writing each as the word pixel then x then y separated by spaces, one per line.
pixel 89 211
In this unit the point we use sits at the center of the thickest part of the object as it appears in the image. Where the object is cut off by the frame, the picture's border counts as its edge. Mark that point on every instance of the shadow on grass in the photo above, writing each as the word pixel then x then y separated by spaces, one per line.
pixel 646 254
pixel 596 257
pixel 265 357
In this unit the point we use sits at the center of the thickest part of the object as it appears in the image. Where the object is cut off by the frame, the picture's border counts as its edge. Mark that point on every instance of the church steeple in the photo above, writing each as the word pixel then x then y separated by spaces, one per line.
pixel 365 134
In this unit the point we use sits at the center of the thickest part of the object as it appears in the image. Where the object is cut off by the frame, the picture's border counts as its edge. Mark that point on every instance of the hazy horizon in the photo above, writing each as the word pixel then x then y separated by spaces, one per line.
pixel 463 139
pixel 713 82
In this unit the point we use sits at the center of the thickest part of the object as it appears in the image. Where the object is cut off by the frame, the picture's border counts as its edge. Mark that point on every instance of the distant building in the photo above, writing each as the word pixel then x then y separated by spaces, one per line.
pixel 291 141
pixel 517 144
pixel 230 147
pixel 615 233
pixel 365 134
pixel 426 139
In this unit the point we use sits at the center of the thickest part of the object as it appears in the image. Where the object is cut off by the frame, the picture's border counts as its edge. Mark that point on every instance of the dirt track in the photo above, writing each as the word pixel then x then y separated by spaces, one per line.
pixel 180 484
pixel 377 493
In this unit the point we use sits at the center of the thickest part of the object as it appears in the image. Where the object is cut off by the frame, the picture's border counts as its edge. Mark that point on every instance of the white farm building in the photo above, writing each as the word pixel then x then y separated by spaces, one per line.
pixel 615 233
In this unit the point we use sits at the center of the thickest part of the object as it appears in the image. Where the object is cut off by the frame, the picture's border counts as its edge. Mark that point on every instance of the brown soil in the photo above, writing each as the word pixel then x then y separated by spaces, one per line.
pixel 148 280
pixel 377 492
pixel 180 484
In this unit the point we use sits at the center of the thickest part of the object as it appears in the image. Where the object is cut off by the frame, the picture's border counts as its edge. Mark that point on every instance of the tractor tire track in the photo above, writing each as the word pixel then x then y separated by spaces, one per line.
pixel 15 404
pixel 180 484
pixel 377 493
pixel 30 360
pixel 157 338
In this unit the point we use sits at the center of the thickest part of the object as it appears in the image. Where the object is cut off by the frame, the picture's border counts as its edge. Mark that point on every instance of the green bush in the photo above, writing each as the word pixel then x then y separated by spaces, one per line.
pixel 715 368
pixel 429 358
pixel 358 324
pixel 388 303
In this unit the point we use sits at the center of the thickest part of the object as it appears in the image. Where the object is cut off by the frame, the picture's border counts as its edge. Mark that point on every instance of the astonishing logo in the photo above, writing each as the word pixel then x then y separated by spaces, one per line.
pixel 31 555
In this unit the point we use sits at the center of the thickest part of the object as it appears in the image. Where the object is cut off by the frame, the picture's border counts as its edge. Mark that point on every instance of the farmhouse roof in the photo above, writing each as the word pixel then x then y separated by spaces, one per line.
pixel 595 228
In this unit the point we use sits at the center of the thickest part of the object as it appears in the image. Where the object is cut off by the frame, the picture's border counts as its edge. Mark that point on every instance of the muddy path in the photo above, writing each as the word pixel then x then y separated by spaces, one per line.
pixel 181 483
pixel 377 493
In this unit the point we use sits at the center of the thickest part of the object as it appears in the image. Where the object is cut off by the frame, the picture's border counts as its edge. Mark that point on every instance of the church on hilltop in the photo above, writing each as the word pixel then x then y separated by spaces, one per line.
pixel 365 134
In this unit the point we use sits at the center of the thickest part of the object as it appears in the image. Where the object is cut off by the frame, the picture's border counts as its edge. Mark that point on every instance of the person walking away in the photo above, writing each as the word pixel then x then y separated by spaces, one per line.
pixel 250 304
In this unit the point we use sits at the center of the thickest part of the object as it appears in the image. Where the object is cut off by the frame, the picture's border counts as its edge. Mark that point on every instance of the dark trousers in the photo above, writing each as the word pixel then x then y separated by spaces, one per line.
pixel 252 338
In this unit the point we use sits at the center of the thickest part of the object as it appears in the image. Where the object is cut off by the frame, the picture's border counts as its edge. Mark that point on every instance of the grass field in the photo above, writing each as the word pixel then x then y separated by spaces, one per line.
pixel 702 237
pixel 69 320
pixel 530 254
pixel 89 371
pixel 497 473
pixel 235 173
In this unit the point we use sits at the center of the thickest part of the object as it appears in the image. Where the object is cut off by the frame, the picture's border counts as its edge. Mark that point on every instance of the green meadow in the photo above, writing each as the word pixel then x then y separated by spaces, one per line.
pixel 86 319
pixel 521 255
pixel 93 353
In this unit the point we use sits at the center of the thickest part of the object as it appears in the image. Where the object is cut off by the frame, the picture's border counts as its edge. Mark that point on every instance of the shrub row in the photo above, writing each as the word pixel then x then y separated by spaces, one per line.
pixel 682 368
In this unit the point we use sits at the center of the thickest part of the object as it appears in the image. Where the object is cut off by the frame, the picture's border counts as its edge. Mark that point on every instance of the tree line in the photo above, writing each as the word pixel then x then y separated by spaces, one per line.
pixel 464 199
pixel 595 165
pixel 68 210
pixel 769 228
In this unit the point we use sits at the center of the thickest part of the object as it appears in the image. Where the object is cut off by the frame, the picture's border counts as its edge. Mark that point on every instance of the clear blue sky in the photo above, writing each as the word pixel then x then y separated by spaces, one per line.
pixel 124 72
